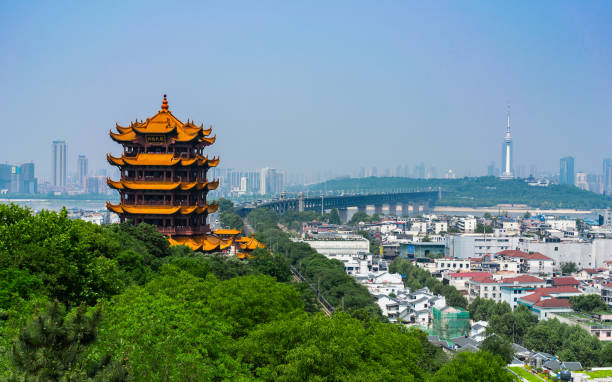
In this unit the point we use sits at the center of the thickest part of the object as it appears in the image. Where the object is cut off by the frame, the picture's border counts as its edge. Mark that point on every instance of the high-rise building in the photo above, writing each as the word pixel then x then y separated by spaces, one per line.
pixel 15 180
pixel 29 183
pixel 271 181
pixel 82 166
pixel 507 157
pixel 581 181
pixel 606 176
pixel 59 163
pixel 566 171
pixel 491 169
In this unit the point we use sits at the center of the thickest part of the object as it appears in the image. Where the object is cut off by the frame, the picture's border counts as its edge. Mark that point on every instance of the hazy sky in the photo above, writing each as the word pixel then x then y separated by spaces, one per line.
pixel 306 85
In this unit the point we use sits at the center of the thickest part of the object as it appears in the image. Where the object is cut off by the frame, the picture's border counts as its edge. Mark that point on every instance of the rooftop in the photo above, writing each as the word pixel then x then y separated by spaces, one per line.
pixel 524 255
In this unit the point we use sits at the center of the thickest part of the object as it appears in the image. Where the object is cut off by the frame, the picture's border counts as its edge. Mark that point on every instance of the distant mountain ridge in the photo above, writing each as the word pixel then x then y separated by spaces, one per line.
pixel 473 192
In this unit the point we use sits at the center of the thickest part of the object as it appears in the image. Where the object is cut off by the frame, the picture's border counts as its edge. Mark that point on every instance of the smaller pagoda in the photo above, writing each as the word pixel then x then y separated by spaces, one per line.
pixel 164 182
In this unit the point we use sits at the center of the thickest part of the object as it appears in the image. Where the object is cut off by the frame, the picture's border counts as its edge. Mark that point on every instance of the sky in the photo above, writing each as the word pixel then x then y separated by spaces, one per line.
pixel 314 86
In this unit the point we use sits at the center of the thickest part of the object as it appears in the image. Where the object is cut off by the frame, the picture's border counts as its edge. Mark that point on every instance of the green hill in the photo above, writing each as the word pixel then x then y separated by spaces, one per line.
pixel 473 192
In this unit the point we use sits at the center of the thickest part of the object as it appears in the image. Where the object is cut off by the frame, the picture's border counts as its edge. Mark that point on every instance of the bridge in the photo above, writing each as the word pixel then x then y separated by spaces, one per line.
pixel 410 203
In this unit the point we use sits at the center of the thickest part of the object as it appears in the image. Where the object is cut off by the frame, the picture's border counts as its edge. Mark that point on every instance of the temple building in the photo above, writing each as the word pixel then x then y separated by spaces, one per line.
pixel 164 182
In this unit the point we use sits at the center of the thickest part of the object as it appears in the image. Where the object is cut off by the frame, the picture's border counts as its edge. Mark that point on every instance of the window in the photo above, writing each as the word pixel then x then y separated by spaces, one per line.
pixel 608 333
pixel 556 248
pixel 486 288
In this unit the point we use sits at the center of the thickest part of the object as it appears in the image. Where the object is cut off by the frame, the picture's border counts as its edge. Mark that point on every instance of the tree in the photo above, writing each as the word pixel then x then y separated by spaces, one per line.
pixel 487 215
pixel 334 217
pixel 527 215
pixel 225 205
pixel 513 325
pixel 274 265
pixel 52 347
pixel 231 220
pixel 474 367
pixel 588 303
pixel 483 228
pixel 359 217
pixel 317 348
pixel 499 346
pixel 567 268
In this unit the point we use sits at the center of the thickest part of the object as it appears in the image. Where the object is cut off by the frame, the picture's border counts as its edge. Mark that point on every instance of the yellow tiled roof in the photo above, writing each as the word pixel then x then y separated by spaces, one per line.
pixel 160 210
pixel 162 186
pixel 164 122
pixel 161 160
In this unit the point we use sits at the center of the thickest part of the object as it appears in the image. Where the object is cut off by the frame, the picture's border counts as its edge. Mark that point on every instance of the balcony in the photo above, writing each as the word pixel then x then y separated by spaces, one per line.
pixel 179 230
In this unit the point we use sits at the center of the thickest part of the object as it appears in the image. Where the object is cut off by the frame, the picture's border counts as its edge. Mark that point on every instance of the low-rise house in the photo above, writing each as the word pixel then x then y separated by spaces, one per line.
pixel 513 288
pixel 384 283
pixel 483 287
pixel 544 301
pixel 460 280
pixel 565 281
pixel 587 274
pixel 606 293
pixel 478 332
pixel 465 344
pixel 389 307
pixel 534 263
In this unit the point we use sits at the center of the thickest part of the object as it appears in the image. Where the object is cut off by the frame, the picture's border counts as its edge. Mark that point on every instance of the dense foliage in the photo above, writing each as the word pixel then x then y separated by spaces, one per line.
pixel 416 278
pixel 473 192
pixel 567 268
pixel 228 218
pixel 570 343
pixel 138 310
pixel 327 275
pixel 588 303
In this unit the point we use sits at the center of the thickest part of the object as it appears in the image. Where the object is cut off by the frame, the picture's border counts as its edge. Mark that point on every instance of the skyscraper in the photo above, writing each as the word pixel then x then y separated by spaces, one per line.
pixel 566 171
pixel 59 163
pixel 29 183
pixel 507 157
pixel 606 176
pixel 271 181
pixel 82 163
pixel 491 169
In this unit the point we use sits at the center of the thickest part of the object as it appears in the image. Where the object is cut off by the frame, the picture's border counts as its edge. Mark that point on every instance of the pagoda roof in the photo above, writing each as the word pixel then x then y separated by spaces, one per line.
pixel 208 243
pixel 232 232
pixel 164 122
pixel 156 159
pixel 161 210
pixel 249 243
pixel 162 186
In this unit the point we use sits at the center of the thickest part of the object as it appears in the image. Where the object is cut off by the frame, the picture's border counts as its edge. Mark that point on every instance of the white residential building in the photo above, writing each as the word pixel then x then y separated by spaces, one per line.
pixel 467 225
pixel 478 245
pixel 452 264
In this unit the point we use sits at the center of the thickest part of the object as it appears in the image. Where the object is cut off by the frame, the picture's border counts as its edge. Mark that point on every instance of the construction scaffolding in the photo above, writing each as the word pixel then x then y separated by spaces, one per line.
pixel 450 322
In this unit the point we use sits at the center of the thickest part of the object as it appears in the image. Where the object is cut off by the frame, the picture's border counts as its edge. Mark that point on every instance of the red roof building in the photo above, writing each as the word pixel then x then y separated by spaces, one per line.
pixel 549 300
pixel 565 281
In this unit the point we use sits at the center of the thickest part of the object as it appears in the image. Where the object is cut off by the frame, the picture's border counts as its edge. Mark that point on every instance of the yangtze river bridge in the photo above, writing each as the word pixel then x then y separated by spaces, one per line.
pixel 409 202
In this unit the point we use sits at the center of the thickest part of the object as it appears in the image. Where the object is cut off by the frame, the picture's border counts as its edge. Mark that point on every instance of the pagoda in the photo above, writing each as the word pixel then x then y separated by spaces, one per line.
pixel 164 182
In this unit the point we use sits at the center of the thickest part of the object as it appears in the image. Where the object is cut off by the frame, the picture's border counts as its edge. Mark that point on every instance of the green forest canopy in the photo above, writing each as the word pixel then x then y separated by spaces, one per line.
pixel 122 305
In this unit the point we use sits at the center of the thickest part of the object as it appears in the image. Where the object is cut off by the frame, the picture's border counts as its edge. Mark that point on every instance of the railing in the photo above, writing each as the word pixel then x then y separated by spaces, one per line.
pixel 181 230
pixel 327 307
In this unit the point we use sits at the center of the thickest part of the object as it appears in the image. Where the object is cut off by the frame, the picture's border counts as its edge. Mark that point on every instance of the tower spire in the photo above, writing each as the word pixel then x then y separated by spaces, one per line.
pixel 508 128
pixel 164 105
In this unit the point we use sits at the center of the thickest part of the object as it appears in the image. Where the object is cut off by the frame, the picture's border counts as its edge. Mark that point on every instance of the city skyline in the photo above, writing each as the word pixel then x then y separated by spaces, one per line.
pixel 388 101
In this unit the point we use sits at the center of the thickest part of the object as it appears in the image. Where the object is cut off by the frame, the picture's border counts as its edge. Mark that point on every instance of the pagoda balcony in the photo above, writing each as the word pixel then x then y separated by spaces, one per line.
pixel 187 231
